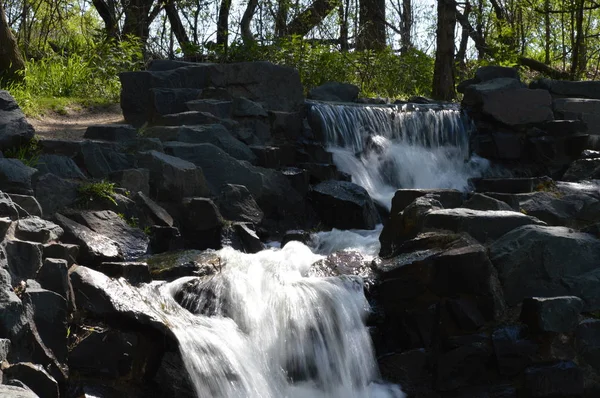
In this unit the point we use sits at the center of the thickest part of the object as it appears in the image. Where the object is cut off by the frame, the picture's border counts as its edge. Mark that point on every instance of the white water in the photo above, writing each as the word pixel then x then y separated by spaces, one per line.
pixel 262 328
pixel 385 148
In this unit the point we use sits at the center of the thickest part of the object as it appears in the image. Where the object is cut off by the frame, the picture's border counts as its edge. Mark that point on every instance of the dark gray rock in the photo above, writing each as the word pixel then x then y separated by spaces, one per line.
pixel 562 128
pixel 167 101
pixel 509 185
pixel 165 239
pixel 560 379
pixel 334 91
pixel 536 260
pixel 587 341
pixel 203 224
pixel 217 135
pixel 24 259
pixel 296 235
pixel 7 207
pixel 4 349
pixel 242 237
pixel 54 276
pixel 111 132
pixel 482 202
pixel 514 351
pixel 50 317
pixel 344 205
pixel 93 247
pixel 133 180
pixel 35 377
pixel 448 198
pixel 552 314
pixel 63 251
pixel 287 125
pixel 173 265
pixel 105 353
pixel 134 272
pixel 298 178
pixel 461 366
pixel 28 203
pixel 266 156
pixel 590 154
pixel 582 89
pixel 583 169
pixel 16 392
pixel 218 108
pixel 466 314
pixel 15 177
pixel 237 204
pixel 55 193
pixel 558 209
pixel 153 213
pixel 59 165
pixel 5 224
pixel 481 225
pixel 15 130
pixel 243 107
pixel 101 160
pixel 64 147
pixel 188 118
pixel 132 242
pixel 37 230
pixel 485 73
pixel 172 178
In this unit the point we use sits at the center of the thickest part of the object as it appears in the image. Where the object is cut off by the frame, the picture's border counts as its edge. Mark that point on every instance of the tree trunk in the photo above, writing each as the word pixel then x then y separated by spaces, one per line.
pixel 578 44
pixel 178 29
pixel 283 8
pixel 311 17
pixel 223 25
pixel 11 61
pixel 108 15
pixel 462 48
pixel 371 34
pixel 443 73
pixel 548 36
pixel 406 25
pixel 247 36
pixel 343 15
pixel 138 17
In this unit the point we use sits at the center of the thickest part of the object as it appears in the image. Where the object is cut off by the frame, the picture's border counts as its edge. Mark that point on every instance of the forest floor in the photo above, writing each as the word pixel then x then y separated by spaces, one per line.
pixel 71 122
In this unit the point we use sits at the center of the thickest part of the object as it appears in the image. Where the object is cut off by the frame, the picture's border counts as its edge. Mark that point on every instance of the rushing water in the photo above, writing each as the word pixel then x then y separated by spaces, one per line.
pixel 385 148
pixel 261 327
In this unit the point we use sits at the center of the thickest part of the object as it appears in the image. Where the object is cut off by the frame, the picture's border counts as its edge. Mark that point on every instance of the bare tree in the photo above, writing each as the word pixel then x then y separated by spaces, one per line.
pixel 11 61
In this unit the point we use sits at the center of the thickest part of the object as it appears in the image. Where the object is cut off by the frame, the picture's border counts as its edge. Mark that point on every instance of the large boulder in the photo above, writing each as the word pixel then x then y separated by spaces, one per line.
pixel 237 204
pixel 15 130
pixel 555 208
pixel 59 165
pixel 563 88
pixel 37 230
pixel 536 260
pixel 583 169
pixel 16 177
pixel 278 87
pixel 334 91
pixel 55 193
pixel 344 205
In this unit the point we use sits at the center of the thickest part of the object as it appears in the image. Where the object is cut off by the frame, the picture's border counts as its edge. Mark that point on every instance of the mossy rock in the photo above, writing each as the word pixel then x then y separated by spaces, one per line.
pixel 173 265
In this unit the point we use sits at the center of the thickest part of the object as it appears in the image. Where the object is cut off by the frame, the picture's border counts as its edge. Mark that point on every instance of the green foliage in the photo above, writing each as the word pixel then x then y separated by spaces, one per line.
pixel 28 153
pixel 382 73
pixel 103 191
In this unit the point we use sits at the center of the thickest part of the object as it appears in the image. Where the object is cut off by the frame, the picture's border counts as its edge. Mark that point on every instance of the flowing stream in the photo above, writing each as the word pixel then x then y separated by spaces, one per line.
pixel 388 147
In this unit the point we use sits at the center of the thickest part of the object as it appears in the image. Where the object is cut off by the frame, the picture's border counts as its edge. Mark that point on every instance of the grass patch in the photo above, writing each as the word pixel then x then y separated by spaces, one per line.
pixel 28 153
pixel 102 191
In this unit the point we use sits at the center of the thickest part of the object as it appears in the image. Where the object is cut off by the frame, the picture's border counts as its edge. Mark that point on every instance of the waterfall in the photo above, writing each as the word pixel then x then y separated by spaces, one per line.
pixel 387 147
pixel 262 327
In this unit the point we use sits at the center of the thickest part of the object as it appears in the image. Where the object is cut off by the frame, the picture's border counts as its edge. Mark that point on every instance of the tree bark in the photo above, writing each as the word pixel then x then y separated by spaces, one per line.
pixel 577 57
pixel 178 29
pixel 11 61
pixel 443 73
pixel 462 48
pixel 311 17
pixel 223 24
pixel 372 25
pixel 139 14
pixel 247 35
pixel 108 15
pixel 406 25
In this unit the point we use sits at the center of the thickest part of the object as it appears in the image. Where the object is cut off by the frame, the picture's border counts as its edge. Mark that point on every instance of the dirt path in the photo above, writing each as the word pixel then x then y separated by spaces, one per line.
pixel 72 124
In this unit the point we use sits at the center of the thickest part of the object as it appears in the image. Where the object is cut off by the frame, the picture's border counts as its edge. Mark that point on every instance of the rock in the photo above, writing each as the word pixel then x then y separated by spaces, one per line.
pixel 243 107
pixel 485 73
pixel 553 314
pixel 481 225
pixel 582 89
pixel 37 230
pixel 50 317
pixel 583 169
pixel 562 128
pixel 448 198
pixel 133 180
pixel 153 213
pixel 100 160
pixel 15 177
pixel 407 368
pixel 7 207
pixel 134 272
pixel 59 165
pixel 461 366
pixel 514 352
pixel 54 276
pixel 115 300
pixel 320 172
pixel 15 130
pixel 111 132
pixel 218 108
pixel 203 223
pixel 242 237
pixel 482 202
pixel 63 251
pixel 589 154
pixel 167 101
pixel 587 342
pixel 55 193
pixel 504 99
pixel 105 353
pixel 188 118
pixel 296 235
pixel 536 260
pixel 266 156
pixel 558 209
pixel 286 124
pixel 173 265
pixel 298 178
pixel 172 377
pixel 27 203
pixel 24 259
pixel 173 178
pixel 132 242
pixel 560 379
pixel 165 239
pixel 509 185
pixel 16 392
pixel 217 135
pixel 344 205
pixel 35 377
pixel 236 203
pixel 277 87
pixel 334 91
pixel 466 314
pixel 93 247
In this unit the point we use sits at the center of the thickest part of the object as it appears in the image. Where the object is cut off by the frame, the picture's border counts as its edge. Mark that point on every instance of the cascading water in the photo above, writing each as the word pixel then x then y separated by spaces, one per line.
pixel 386 147
pixel 262 327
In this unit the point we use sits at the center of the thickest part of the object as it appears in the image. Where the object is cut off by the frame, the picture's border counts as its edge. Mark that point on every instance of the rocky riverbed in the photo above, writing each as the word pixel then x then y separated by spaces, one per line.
pixel 489 291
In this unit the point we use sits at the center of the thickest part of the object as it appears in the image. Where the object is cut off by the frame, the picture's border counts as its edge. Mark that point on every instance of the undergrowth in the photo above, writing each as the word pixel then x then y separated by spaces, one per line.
pixel 28 153
pixel 103 191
